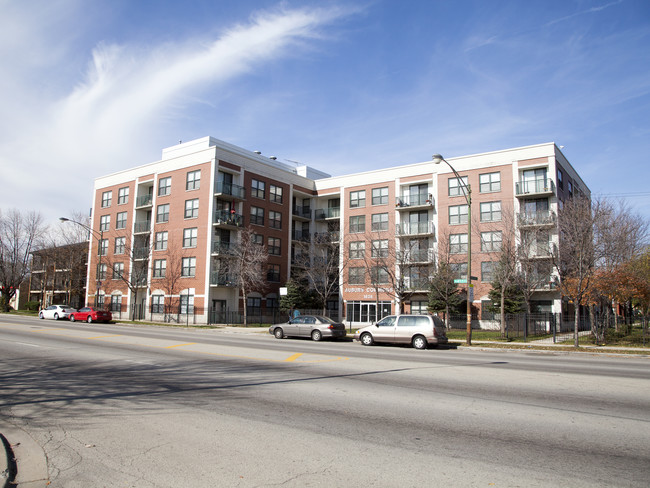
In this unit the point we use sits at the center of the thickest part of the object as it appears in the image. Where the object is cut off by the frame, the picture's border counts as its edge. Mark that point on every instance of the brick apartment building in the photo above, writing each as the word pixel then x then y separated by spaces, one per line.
pixel 191 206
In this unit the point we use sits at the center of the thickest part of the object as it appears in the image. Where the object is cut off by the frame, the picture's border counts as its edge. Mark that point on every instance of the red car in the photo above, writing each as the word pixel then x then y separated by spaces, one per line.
pixel 90 314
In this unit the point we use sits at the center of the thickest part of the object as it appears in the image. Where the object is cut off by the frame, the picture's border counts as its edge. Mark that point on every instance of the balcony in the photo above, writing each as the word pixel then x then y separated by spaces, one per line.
pixel 144 201
pixel 419 256
pixel 415 229
pixel 419 201
pixel 220 248
pixel 328 213
pixel 229 220
pixel 142 226
pixel 542 218
pixel 548 284
pixel 535 188
pixel 542 250
pixel 416 284
pixel 228 191
pixel 220 279
pixel 300 235
pixel 324 238
pixel 140 253
pixel 301 213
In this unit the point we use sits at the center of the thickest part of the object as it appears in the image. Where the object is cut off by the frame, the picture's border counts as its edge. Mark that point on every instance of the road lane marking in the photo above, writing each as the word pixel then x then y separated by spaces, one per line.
pixel 102 337
pixel 180 345
pixel 294 357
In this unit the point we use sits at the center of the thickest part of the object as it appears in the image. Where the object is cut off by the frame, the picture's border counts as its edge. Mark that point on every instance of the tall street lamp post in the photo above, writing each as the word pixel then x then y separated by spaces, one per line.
pixel 467 193
pixel 101 238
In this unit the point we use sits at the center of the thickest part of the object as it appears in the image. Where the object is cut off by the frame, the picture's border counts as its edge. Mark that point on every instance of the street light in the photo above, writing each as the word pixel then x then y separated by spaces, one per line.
pixel 467 193
pixel 101 238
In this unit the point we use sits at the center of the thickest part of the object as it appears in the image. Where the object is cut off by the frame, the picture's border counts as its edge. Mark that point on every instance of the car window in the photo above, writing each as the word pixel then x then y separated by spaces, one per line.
pixel 406 321
pixel 387 321
pixel 51 307
pixel 297 320
pixel 422 321
pixel 310 320
pixel 85 309
pixel 325 320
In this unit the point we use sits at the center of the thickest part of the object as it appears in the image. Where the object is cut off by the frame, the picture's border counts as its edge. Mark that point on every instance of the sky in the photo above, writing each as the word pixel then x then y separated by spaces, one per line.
pixel 91 88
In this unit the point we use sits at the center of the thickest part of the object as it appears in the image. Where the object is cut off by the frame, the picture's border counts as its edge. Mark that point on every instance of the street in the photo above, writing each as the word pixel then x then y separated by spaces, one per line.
pixel 147 406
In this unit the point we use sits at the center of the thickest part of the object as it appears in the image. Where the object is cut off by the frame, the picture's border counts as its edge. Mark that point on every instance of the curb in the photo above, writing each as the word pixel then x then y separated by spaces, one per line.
pixel 26 460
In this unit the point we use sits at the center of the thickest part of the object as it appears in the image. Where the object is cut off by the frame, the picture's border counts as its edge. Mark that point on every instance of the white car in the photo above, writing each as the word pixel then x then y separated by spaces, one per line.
pixel 56 312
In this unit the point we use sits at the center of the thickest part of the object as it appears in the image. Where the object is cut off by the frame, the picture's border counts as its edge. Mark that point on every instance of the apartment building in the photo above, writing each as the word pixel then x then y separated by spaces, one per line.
pixel 392 225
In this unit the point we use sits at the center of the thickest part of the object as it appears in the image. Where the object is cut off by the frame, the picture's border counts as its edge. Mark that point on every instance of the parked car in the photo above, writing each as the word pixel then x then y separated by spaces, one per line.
pixel 56 312
pixel 314 326
pixel 90 314
pixel 418 330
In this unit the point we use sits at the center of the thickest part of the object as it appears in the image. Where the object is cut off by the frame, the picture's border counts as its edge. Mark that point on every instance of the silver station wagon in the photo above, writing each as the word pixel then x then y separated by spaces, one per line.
pixel 418 330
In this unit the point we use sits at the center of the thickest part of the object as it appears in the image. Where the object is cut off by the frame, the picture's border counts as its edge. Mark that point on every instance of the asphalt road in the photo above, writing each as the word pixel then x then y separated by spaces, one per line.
pixel 155 407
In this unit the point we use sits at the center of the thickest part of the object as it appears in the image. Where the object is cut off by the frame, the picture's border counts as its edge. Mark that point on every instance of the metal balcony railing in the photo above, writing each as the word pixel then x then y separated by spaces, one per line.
pixel 144 200
pixel 414 200
pixel 230 189
pixel 142 226
pixel 328 213
pixel 228 218
pixel 541 217
pixel 415 228
pixel 538 186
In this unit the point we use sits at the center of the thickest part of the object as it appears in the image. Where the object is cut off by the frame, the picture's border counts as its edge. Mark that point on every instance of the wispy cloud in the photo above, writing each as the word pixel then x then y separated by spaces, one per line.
pixel 583 12
pixel 57 143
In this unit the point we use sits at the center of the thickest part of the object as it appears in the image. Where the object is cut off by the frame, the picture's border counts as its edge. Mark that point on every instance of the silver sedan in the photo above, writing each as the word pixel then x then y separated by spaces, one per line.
pixel 315 326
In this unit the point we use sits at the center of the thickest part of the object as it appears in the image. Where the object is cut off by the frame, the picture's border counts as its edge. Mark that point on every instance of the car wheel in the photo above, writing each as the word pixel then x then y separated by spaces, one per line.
pixel 40 315
pixel 72 319
pixel 419 342
pixel 56 316
pixel 89 319
pixel 366 339
pixel 278 333
pixel 316 335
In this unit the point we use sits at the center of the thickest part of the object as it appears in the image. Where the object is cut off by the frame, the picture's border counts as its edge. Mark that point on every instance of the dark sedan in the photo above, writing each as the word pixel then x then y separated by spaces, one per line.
pixel 314 326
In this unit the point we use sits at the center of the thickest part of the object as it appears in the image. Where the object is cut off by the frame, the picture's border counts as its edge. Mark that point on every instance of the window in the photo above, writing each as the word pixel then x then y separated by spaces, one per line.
pixel 104 222
pixel 120 245
pixel 357 276
pixel 457 214
pixel 457 186
pixel 99 300
pixel 380 196
pixel 490 211
pixel 164 186
pixel 107 198
pixel 118 270
pixel 487 271
pixel 357 224
pixel 159 268
pixel 116 303
pixel 379 275
pixel 357 249
pixel 190 237
pixel 379 222
pixel 193 181
pixel 187 304
pixel 192 208
pixel 123 195
pixel 489 182
pixel 379 248
pixel 275 219
pixel 257 216
pixel 258 188
pixel 103 247
pixel 162 213
pixel 101 271
pixel 257 239
pixel 357 199
pixel 157 303
pixel 273 273
pixel 570 187
pixel 457 243
pixel 560 183
pixel 419 307
pixel 254 305
pixel 275 246
pixel 459 270
pixel 120 222
pixel 491 241
pixel 534 180
pixel 275 193
pixel 161 241
pixel 188 267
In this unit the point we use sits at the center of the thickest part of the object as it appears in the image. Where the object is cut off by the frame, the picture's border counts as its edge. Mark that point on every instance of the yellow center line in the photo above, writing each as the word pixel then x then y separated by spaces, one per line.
pixel 294 357
pixel 102 337
pixel 180 345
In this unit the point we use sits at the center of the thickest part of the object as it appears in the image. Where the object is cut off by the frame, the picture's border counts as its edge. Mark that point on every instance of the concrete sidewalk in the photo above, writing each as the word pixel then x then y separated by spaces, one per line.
pixel 22 461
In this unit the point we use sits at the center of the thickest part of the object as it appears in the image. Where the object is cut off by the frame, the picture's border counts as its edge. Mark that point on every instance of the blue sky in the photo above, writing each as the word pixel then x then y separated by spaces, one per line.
pixel 89 88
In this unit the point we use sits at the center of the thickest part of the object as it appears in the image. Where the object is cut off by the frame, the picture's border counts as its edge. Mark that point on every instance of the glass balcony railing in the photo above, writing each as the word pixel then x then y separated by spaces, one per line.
pixel 328 213
pixel 220 279
pixel 541 185
pixel 228 218
pixel 303 212
pixel 415 228
pixel 144 200
pixel 414 200
pixel 141 226
pixel 230 189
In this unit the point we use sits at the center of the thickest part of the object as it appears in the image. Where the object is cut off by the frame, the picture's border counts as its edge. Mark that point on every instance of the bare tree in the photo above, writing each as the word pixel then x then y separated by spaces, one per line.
pixel 444 293
pixel 576 258
pixel 322 269
pixel 171 279
pixel 19 234
pixel 246 267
